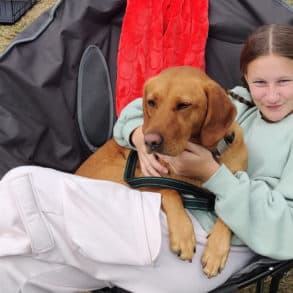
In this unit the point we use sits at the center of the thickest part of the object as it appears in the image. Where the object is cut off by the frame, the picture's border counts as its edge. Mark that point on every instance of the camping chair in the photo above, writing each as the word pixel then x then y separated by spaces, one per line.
pixel 254 274
pixel 61 68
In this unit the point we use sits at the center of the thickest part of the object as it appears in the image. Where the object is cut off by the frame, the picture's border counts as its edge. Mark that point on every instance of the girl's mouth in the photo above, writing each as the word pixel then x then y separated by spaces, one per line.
pixel 274 107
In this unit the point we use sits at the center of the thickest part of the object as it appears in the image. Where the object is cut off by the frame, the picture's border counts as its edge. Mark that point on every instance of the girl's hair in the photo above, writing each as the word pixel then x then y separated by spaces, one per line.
pixel 268 39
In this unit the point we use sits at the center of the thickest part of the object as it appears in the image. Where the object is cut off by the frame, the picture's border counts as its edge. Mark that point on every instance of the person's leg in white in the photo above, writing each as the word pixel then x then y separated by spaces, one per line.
pixel 75 233
pixel 55 224
pixel 169 274
pixel 27 275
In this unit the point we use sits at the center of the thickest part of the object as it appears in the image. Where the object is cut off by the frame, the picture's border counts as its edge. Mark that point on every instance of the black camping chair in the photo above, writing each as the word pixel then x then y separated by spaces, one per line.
pixel 64 65
pixel 254 274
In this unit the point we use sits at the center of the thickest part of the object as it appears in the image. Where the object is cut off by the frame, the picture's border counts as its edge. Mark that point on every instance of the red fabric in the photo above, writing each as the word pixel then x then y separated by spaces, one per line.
pixel 157 34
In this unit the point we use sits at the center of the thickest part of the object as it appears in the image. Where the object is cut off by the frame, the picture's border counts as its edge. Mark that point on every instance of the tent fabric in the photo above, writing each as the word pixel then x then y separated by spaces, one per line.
pixel 157 34
pixel 39 83
pixel 229 24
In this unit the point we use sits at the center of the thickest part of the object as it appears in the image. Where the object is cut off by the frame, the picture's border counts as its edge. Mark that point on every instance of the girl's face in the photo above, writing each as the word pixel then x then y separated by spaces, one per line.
pixel 270 81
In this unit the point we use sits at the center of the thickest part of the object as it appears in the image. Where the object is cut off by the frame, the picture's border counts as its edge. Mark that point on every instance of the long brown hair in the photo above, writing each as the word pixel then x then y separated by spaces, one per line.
pixel 268 39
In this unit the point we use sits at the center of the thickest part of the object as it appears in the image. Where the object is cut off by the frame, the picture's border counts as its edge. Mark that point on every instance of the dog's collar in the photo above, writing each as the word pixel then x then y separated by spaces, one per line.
pixel 223 145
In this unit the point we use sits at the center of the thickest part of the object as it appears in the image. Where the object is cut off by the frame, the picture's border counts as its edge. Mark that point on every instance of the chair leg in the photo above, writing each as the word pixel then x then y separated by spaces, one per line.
pixel 274 286
pixel 260 286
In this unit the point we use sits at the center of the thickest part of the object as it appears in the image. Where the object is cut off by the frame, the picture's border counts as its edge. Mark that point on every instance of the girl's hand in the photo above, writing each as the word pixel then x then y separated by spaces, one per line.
pixel 196 161
pixel 149 164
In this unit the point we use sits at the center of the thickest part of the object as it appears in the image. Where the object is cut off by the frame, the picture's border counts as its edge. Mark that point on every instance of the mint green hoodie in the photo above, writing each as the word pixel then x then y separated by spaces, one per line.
pixel 257 204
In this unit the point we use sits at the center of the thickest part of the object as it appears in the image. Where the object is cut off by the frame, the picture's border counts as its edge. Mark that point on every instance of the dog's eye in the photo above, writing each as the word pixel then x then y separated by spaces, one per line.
pixel 182 106
pixel 151 103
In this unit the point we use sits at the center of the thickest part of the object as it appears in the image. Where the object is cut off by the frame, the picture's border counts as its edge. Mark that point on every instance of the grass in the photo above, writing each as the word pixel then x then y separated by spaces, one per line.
pixel 8 32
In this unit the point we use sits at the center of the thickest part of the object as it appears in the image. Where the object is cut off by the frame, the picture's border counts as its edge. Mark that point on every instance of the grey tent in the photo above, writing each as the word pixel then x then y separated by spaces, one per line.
pixel 57 78
pixel 70 49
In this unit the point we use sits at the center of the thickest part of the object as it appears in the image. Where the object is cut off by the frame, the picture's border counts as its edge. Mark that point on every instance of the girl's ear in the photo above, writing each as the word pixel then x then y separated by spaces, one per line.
pixel 221 114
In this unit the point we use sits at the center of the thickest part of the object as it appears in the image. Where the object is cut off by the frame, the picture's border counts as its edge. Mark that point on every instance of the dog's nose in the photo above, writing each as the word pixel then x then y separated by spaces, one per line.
pixel 153 141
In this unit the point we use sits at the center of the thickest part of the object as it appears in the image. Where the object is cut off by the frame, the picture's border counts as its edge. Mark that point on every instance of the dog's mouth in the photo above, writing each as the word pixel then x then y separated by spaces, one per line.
pixel 172 150
pixel 157 143
pixel 154 148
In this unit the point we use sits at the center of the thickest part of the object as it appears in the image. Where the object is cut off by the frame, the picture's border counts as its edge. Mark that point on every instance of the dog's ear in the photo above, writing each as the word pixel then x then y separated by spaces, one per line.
pixel 220 115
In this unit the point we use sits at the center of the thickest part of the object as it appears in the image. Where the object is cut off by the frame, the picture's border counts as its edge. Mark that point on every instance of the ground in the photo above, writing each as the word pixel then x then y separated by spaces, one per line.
pixel 8 32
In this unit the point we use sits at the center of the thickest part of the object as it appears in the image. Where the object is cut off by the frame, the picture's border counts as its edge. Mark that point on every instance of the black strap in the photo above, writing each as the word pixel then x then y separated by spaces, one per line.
pixel 201 199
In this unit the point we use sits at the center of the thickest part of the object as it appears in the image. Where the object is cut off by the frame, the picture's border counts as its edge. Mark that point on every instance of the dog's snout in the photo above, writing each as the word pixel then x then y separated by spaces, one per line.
pixel 153 141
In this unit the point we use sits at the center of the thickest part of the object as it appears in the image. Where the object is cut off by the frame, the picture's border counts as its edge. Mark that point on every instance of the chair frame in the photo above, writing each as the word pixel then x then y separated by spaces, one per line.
pixel 256 277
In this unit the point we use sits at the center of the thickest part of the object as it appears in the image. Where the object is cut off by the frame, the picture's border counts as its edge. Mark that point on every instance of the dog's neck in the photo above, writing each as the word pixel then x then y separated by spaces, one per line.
pixel 197 140
pixel 218 148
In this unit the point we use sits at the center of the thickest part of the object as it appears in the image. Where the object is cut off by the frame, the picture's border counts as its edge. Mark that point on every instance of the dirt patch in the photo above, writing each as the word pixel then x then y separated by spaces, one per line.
pixel 8 32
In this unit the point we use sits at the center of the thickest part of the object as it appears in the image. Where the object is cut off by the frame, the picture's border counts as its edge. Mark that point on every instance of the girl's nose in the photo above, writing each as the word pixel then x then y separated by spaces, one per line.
pixel 273 94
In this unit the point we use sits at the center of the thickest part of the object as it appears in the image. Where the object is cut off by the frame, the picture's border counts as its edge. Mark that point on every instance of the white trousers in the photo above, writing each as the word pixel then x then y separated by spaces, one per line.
pixel 64 233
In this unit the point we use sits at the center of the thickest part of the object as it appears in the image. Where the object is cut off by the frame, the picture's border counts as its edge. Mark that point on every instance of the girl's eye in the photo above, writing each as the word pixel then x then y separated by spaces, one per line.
pixel 259 82
pixel 284 81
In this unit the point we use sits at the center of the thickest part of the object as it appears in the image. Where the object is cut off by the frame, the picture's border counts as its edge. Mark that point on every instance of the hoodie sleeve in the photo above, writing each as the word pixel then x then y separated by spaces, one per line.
pixel 130 118
pixel 258 211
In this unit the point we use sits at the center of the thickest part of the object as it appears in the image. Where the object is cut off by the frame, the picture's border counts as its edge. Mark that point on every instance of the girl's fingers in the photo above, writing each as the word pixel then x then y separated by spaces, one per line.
pixel 156 165
pixel 153 172
pixel 194 148
pixel 151 167
pixel 149 171
pixel 164 158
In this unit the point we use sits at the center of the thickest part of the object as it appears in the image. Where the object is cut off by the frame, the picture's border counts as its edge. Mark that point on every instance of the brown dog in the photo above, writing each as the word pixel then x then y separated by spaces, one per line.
pixel 181 104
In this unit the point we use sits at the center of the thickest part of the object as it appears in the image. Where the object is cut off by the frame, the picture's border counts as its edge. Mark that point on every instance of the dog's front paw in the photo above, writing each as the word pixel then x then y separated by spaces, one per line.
pixel 182 237
pixel 213 261
pixel 216 252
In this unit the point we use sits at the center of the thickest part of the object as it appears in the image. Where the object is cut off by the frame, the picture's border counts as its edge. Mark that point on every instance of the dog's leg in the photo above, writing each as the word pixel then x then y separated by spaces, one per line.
pixel 181 232
pixel 217 249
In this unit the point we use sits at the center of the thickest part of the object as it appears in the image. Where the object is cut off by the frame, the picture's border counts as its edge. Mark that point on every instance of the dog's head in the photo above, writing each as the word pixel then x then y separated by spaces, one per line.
pixel 183 104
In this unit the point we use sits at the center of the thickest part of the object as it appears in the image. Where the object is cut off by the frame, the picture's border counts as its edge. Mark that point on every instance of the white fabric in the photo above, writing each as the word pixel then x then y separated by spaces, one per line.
pixel 65 233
